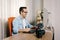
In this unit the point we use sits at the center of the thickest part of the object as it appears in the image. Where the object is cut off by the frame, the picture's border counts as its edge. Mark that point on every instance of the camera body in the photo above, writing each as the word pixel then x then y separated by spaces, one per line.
pixel 39 31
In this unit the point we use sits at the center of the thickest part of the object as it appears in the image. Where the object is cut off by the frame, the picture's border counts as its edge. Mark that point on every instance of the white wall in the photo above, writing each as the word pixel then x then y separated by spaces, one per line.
pixel 33 7
pixel 57 19
pixel 0 18
pixel 49 6
pixel 53 6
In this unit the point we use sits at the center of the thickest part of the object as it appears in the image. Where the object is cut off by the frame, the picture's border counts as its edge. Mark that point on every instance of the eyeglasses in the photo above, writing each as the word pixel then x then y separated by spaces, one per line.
pixel 25 12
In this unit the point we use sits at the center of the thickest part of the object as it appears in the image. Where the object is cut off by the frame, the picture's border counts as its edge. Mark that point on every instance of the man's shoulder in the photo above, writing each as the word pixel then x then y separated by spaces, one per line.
pixel 17 19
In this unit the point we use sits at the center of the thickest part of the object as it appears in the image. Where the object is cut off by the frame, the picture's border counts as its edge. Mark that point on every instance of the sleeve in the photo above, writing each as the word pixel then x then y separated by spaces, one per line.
pixel 29 25
pixel 15 26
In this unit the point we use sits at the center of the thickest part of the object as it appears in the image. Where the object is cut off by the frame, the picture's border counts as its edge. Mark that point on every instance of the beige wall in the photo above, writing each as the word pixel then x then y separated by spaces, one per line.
pixel 53 6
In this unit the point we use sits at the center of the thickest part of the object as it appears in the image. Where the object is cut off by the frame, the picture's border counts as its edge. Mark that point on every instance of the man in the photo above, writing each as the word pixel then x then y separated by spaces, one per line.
pixel 20 24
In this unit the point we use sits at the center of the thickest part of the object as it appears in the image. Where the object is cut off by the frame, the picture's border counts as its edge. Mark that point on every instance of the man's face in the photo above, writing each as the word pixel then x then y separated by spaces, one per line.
pixel 24 13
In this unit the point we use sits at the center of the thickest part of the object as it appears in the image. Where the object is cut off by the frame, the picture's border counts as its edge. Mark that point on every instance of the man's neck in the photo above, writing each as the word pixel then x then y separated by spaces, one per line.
pixel 22 17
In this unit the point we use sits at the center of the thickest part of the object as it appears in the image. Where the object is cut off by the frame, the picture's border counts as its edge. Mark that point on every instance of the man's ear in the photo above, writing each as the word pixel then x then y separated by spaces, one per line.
pixel 20 12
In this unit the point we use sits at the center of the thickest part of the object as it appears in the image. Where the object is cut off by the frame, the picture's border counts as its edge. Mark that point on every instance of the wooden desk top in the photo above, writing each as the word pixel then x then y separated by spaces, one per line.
pixel 27 36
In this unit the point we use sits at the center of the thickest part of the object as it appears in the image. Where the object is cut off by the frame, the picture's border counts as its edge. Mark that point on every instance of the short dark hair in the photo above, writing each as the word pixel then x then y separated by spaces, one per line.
pixel 21 9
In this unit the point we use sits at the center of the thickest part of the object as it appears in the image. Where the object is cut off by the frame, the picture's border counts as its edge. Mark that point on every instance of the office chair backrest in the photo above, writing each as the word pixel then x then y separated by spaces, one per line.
pixel 10 19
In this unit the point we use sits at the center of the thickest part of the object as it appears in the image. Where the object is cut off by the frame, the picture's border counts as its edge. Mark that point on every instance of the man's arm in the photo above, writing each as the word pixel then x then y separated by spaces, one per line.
pixel 24 30
pixel 17 30
pixel 31 26
pixel 15 26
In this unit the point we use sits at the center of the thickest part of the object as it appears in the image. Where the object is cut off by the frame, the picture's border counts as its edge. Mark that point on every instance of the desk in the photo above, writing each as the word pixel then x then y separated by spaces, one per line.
pixel 27 36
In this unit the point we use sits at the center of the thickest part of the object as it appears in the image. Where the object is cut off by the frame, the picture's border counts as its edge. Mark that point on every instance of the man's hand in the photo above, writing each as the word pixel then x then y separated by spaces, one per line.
pixel 24 30
pixel 34 27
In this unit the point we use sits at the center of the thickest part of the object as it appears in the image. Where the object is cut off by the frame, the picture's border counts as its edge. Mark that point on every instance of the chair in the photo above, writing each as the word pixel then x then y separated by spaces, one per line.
pixel 10 19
